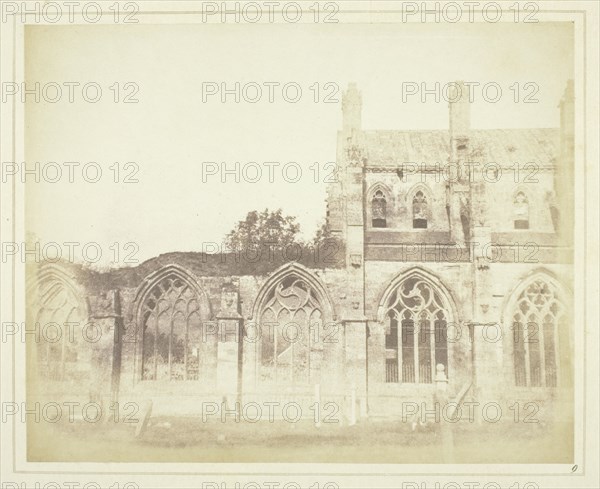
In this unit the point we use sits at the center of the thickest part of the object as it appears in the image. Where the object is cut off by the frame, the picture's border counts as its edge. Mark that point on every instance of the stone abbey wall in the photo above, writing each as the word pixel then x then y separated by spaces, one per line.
pixel 350 349
pixel 462 284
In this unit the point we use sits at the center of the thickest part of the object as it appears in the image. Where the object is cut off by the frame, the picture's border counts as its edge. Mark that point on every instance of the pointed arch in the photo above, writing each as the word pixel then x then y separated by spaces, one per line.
pixel 55 274
pixel 379 199
pixel 520 208
pixel 520 189
pixel 379 187
pixel 294 268
pixel 59 310
pixel 415 310
pixel 518 285
pixel 153 278
pixel 426 275
pixel 419 187
pixel 292 310
pixel 535 316
pixel 420 201
pixel 170 311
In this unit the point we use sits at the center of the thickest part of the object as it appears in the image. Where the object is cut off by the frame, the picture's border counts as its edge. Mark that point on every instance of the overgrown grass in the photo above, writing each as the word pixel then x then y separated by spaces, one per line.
pixel 191 440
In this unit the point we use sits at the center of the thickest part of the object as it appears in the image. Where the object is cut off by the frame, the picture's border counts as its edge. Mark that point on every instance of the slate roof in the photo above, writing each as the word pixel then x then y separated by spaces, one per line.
pixel 502 146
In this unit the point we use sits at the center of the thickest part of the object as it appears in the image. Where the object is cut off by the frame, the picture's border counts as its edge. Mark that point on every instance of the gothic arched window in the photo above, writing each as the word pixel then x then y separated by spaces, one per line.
pixel 173 347
pixel 379 210
pixel 521 211
pixel 416 332
pixel 536 318
pixel 291 321
pixel 60 319
pixel 419 208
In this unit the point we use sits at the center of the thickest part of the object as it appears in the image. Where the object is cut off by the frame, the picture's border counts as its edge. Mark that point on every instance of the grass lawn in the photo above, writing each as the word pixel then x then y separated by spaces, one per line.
pixel 192 440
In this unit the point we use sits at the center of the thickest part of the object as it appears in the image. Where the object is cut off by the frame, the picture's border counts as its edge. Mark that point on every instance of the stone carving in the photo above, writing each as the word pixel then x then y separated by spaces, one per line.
pixel 355 155
pixel 103 305
pixel 229 300
pixel 356 260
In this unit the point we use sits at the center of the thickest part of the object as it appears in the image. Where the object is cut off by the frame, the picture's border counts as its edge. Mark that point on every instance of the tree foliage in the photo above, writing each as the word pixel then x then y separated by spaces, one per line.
pixel 266 228
pixel 268 239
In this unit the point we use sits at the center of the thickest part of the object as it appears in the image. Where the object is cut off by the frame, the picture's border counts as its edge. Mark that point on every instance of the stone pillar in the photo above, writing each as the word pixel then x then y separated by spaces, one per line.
pixel 351 109
pixel 347 140
pixel 351 156
pixel 445 426
pixel 460 218
pixel 105 337
pixel 459 192
pixel 354 213
pixel 486 329
pixel 564 175
pixel 229 346
pixel 355 365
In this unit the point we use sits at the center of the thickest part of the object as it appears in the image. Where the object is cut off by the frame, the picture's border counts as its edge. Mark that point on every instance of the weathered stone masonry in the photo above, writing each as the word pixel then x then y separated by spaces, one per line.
pixel 444 275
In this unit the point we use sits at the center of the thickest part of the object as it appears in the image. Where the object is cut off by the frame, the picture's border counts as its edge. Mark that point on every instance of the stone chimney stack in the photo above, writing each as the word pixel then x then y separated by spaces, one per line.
pixel 460 116
pixel 459 190
pixel 351 108
pixel 565 165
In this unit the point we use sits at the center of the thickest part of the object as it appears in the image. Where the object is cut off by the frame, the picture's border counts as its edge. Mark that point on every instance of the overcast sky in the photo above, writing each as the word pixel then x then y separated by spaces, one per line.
pixel 171 131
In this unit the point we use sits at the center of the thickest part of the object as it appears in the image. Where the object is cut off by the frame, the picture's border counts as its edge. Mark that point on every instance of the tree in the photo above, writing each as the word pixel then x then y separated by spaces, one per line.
pixel 328 249
pixel 264 229
pixel 268 239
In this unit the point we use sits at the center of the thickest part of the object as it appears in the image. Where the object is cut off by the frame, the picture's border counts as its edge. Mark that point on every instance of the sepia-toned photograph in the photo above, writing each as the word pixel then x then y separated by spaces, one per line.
pixel 248 238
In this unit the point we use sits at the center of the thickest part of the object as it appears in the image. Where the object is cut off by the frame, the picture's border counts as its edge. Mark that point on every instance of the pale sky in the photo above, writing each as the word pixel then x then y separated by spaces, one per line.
pixel 171 131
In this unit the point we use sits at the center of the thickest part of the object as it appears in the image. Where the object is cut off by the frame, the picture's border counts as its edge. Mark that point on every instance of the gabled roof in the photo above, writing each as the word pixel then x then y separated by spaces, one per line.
pixel 502 146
